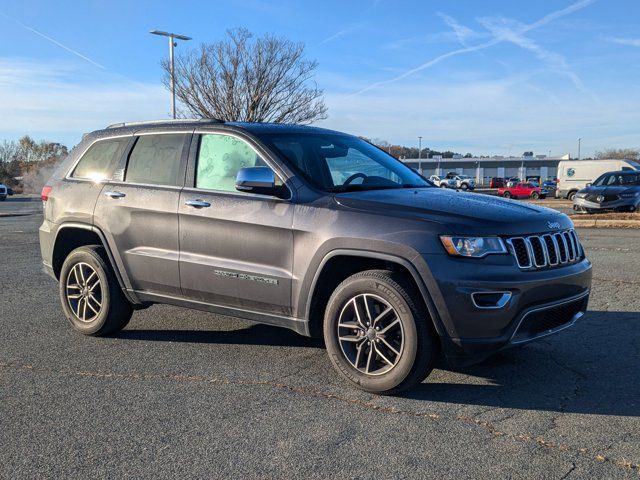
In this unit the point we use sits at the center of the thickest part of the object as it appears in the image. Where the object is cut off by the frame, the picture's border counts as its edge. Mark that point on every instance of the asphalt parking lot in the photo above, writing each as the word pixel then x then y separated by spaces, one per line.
pixel 190 394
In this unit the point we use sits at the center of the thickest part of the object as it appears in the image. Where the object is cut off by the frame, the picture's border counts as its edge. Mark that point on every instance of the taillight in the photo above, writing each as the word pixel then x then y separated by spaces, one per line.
pixel 46 190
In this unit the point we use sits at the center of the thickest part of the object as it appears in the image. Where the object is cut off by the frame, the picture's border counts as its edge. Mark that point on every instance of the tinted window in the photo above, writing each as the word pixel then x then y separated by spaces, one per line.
pixel 219 159
pixel 100 161
pixel 155 159
pixel 629 179
pixel 336 162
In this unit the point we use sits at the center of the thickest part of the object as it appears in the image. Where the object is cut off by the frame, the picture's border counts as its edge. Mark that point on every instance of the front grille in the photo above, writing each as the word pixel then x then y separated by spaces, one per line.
pixel 547 250
pixel 593 197
pixel 545 321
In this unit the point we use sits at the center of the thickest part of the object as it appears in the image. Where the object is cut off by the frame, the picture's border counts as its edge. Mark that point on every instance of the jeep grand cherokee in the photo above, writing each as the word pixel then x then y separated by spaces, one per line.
pixel 308 229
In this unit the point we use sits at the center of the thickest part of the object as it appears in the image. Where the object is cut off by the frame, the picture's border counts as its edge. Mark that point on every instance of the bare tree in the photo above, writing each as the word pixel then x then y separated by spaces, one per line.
pixel 619 153
pixel 242 78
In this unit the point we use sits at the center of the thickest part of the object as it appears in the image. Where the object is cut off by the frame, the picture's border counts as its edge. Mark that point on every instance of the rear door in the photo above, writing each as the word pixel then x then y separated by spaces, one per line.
pixel 138 211
pixel 236 249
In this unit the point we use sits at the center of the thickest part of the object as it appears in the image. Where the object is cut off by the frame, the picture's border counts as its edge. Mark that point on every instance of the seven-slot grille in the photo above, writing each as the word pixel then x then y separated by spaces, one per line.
pixel 546 250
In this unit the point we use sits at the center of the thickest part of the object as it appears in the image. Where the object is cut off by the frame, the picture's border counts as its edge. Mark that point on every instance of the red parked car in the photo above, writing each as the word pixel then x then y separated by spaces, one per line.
pixel 522 190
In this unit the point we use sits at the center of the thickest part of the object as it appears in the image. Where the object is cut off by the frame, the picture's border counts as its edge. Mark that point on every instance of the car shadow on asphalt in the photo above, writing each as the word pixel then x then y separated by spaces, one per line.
pixel 591 368
pixel 258 334
pixel 595 371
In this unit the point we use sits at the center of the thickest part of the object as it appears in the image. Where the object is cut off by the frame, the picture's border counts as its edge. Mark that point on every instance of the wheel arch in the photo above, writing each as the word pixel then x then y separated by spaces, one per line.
pixel 70 236
pixel 339 264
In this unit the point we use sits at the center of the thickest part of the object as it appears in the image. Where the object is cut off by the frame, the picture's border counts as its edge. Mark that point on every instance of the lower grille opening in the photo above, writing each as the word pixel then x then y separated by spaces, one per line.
pixel 540 322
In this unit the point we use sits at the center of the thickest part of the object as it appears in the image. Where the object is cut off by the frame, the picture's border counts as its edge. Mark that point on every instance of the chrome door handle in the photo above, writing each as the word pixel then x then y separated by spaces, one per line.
pixel 115 194
pixel 197 203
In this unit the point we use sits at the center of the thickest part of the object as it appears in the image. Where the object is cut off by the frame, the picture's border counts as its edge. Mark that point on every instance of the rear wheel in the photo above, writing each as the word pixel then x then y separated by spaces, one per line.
pixel 442 185
pixel 377 337
pixel 571 196
pixel 506 195
pixel 464 186
pixel 91 297
pixel 535 195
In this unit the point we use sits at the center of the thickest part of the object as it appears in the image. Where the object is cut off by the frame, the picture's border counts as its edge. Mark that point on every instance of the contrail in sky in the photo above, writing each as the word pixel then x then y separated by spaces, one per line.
pixel 494 41
pixel 53 40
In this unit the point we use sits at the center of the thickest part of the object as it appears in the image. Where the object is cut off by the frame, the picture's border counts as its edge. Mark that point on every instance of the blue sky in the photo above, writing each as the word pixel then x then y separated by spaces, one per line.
pixel 489 77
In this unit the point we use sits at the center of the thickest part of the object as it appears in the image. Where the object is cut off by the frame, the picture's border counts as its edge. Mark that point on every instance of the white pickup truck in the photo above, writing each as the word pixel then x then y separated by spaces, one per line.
pixel 442 182
pixel 463 182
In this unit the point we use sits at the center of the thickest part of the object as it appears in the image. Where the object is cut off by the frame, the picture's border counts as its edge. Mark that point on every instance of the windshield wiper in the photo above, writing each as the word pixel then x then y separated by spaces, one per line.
pixel 359 187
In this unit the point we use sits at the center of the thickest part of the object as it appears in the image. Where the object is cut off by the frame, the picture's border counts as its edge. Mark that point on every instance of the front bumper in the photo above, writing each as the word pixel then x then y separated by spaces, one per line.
pixel 622 203
pixel 541 302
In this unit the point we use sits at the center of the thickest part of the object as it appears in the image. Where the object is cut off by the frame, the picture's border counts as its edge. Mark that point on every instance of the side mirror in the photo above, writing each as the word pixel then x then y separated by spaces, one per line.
pixel 259 180
pixel 588 185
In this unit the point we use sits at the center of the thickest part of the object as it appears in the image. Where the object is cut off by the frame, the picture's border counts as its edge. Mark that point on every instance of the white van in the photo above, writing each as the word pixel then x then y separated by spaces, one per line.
pixel 573 175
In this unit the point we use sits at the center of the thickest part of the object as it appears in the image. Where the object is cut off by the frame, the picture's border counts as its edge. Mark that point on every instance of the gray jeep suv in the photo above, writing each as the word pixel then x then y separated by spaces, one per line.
pixel 308 229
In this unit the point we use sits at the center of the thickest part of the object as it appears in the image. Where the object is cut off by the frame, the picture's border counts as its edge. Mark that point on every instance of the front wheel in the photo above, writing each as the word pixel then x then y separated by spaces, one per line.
pixel 91 297
pixel 377 336
pixel 506 195
pixel 464 186
pixel 535 196
pixel 571 196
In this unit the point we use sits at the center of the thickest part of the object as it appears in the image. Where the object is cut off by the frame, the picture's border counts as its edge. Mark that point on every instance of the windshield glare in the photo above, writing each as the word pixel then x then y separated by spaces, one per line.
pixel 336 163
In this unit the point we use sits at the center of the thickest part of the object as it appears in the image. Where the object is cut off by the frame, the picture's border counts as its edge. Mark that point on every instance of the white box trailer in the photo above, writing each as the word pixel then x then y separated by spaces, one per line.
pixel 574 175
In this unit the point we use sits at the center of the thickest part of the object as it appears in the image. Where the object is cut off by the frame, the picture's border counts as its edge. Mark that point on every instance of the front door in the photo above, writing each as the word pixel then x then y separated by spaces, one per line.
pixel 138 212
pixel 236 249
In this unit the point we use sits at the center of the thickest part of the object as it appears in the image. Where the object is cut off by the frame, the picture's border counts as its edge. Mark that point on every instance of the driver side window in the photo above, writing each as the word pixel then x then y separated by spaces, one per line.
pixel 220 157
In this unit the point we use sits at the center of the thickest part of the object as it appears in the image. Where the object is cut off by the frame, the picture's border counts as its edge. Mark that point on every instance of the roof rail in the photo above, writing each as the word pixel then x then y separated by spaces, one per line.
pixel 169 120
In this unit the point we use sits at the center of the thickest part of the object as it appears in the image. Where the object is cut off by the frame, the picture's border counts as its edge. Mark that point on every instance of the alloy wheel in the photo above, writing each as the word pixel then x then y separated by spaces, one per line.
pixel 84 292
pixel 370 334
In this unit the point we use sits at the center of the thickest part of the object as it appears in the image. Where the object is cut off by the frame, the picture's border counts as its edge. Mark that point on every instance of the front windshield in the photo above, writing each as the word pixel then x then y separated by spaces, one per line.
pixel 340 163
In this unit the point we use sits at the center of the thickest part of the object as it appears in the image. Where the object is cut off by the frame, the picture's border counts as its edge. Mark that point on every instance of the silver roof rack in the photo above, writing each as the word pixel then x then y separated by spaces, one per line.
pixel 169 120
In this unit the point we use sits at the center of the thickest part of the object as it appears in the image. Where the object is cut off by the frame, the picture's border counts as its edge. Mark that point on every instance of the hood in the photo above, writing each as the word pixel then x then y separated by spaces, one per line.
pixel 458 212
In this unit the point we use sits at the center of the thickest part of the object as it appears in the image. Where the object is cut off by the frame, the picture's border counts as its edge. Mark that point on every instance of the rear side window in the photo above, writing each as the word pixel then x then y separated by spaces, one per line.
pixel 100 160
pixel 155 159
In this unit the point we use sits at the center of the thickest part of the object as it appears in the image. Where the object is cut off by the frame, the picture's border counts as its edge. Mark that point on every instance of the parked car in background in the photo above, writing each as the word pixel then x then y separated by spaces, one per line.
pixel 550 185
pixel 496 182
pixel 4 191
pixel 512 181
pixel 463 182
pixel 618 191
pixel 574 175
pixel 522 190
pixel 443 182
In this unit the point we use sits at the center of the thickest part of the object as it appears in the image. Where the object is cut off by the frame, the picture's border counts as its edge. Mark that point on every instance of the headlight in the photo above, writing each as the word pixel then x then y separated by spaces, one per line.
pixel 630 195
pixel 475 247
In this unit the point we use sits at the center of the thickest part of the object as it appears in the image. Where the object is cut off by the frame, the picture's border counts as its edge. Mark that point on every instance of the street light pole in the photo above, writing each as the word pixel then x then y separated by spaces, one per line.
pixel 172 75
pixel 579 140
pixel 420 155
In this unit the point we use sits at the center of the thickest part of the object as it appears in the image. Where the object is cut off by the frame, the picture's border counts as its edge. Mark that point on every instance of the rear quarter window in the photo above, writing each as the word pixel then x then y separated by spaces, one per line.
pixel 100 160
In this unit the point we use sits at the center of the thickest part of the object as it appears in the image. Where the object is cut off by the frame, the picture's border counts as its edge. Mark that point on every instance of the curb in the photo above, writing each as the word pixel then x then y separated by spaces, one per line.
pixel 604 223
pixel 17 214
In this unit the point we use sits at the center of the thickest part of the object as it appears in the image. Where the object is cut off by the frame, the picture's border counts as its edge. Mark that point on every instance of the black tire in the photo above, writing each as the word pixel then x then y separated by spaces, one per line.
pixel 464 186
pixel 535 196
pixel 506 195
pixel 442 185
pixel 113 312
pixel 420 345
pixel 571 195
